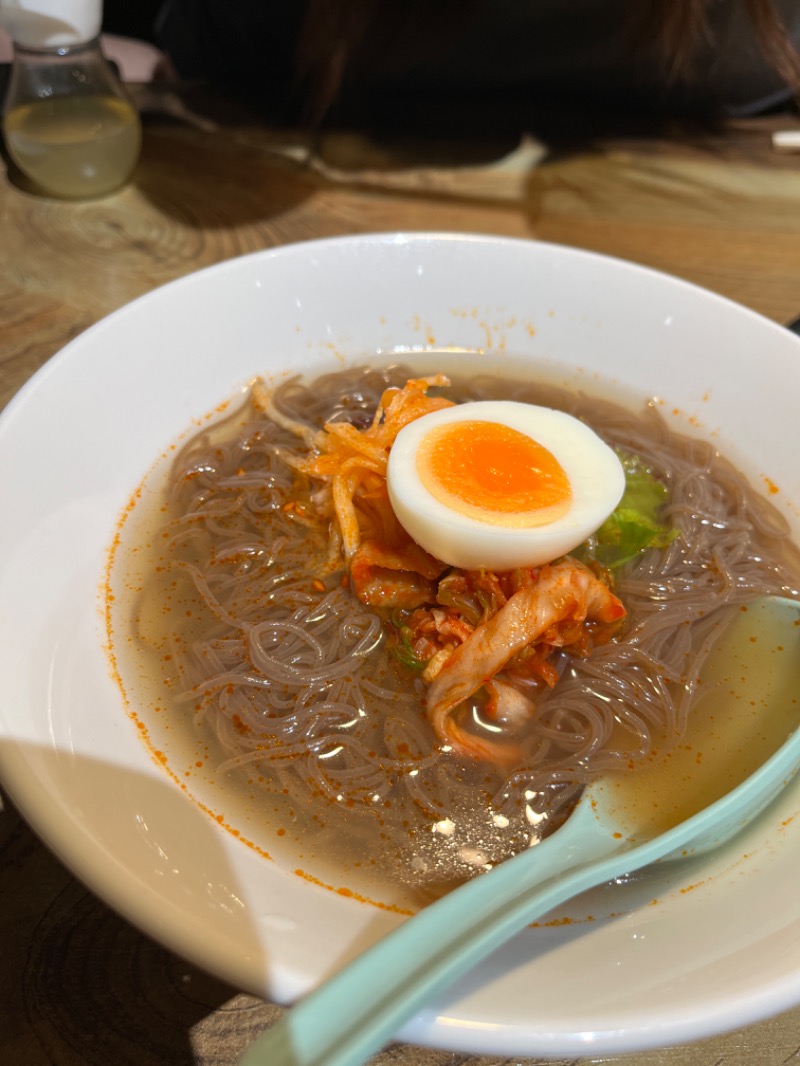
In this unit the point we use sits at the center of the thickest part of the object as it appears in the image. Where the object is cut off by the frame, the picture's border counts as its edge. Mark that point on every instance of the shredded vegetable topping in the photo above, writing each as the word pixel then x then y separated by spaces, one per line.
pixel 465 631
pixel 352 465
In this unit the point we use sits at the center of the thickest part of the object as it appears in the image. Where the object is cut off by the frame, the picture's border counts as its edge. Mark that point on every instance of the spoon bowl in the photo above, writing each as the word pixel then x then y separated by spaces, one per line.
pixel 610 833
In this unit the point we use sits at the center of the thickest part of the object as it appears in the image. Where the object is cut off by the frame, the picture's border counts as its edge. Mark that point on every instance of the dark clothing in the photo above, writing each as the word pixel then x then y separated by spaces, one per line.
pixel 499 61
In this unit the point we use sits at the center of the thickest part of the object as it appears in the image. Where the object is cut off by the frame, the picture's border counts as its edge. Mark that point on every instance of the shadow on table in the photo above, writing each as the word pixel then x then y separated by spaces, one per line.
pixel 80 985
pixel 83 986
pixel 213 162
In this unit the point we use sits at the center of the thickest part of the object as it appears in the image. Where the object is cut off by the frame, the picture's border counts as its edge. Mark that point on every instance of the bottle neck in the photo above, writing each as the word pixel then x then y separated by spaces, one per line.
pixel 61 70
pixel 51 24
pixel 61 51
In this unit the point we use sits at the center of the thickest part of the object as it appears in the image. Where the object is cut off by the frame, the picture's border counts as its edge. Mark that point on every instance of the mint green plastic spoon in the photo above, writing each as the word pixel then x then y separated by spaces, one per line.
pixel 611 832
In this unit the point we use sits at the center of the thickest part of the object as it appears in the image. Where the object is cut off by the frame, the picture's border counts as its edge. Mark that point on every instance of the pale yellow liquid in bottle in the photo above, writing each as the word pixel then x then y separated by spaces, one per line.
pixel 75 146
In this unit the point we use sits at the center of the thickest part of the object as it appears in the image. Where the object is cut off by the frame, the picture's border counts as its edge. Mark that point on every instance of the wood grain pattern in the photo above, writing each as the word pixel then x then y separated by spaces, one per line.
pixel 78 985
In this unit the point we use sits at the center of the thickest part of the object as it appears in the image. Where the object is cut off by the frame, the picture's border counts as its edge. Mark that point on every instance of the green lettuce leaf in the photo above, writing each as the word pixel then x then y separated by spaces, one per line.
pixel 636 523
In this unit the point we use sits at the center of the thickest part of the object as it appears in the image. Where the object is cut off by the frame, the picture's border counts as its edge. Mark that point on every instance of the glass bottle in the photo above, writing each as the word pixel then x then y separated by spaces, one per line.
pixel 68 123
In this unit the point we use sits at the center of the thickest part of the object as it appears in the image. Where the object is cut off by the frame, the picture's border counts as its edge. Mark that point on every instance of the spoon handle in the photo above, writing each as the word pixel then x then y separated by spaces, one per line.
pixel 351 1015
pixel 360 1008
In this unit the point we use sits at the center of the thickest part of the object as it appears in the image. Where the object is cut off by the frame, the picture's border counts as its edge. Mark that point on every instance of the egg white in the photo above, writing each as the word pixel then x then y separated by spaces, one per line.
pixel 595 474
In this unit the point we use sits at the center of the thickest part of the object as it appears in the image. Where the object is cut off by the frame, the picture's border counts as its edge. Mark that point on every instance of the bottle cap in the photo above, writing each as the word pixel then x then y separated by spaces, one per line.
pixel 51 23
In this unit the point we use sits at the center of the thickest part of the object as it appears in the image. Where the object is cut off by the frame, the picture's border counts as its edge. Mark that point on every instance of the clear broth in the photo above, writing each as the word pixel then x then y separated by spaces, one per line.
pixel 397 863
pixel 746 708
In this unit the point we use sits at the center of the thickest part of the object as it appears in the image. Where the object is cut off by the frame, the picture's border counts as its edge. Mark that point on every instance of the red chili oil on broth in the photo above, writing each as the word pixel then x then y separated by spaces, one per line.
pixel 285 711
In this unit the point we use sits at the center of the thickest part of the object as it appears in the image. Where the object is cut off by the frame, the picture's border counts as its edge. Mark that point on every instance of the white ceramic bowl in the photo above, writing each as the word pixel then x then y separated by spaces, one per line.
pixel 82 434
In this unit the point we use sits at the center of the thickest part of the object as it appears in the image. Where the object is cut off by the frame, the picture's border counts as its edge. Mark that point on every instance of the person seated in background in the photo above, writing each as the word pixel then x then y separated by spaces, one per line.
pixel 405 64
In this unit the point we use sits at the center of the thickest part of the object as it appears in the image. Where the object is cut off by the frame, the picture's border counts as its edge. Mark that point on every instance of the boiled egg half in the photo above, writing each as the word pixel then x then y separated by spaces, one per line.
pixel 500 484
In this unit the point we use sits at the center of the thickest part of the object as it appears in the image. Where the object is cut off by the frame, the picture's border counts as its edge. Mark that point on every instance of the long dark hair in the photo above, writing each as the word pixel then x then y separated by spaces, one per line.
pixel 676 26
pixel 334 33
pixel 338 36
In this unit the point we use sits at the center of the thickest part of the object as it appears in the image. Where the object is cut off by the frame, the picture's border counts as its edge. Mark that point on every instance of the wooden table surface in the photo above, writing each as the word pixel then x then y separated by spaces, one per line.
pixel 78 985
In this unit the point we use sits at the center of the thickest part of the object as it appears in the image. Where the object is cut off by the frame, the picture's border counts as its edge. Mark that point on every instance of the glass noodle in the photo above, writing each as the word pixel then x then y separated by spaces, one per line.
pixel 271 652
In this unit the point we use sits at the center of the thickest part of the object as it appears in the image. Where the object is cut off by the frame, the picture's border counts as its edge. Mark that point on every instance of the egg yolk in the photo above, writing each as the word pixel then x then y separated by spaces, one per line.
pixel 493 473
